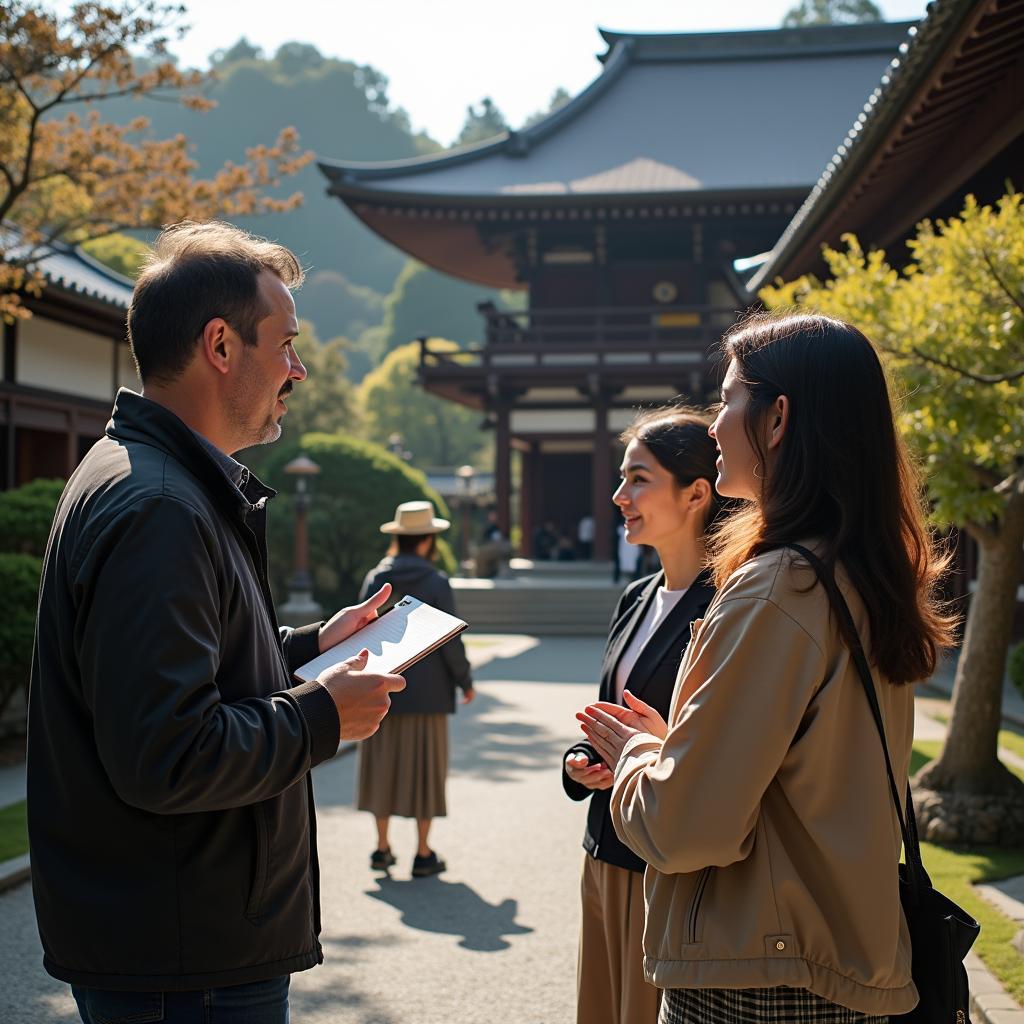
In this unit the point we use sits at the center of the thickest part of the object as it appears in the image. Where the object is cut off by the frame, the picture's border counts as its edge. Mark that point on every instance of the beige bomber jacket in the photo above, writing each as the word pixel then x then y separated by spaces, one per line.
pixel 765 815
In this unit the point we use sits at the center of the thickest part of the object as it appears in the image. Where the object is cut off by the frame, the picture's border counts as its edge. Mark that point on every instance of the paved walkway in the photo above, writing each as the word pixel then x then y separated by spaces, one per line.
pixel 499 929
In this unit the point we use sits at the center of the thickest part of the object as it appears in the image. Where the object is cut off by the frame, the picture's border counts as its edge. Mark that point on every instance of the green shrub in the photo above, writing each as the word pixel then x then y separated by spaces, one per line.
pixel 26 514
pixel 1015 666
pixel 357 489
pixel 18 599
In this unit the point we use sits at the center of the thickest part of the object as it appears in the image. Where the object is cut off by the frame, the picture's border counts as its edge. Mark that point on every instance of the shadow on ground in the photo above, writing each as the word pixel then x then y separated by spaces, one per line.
pixel 336 989
pixel 451 908
pixel 556 659
pixel 487 741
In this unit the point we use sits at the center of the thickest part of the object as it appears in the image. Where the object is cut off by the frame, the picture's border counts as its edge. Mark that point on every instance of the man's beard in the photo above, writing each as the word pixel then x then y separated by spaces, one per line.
pixel 269 430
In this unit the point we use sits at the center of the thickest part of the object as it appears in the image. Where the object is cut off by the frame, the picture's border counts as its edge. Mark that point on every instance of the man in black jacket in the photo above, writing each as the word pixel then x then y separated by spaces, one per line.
pixel 173 839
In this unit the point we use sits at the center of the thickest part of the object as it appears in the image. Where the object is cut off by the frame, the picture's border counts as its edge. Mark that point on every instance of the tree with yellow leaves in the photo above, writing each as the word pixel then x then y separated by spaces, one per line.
pixel 951 329
pixel 68 175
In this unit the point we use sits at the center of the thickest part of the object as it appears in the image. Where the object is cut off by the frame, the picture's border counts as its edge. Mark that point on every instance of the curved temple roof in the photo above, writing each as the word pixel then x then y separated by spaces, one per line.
pixel 724 112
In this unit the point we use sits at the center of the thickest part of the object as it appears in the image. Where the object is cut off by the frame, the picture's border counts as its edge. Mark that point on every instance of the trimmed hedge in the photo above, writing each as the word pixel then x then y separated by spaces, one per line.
pixel 357 489
pixel 19 597
pixel 26 515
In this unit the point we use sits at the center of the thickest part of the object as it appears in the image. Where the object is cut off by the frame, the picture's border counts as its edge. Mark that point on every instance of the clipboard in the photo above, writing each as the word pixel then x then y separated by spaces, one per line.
pixel 397 639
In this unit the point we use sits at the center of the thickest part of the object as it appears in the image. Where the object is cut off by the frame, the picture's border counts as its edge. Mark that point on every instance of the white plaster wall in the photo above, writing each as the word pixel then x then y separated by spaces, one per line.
pixel 127 376
pixel 552 421
pixel 60 358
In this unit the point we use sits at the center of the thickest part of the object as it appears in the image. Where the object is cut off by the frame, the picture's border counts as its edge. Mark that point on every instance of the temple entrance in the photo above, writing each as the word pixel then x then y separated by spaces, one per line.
pixel 565 496
pixel 558 492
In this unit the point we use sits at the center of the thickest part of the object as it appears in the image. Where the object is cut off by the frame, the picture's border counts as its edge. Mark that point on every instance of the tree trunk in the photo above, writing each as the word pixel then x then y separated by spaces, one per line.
pixel 969 763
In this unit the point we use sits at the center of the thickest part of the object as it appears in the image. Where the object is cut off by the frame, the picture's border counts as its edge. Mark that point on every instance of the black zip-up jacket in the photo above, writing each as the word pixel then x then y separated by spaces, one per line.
pixel 652 679
pixel 170 807
pixel 429 684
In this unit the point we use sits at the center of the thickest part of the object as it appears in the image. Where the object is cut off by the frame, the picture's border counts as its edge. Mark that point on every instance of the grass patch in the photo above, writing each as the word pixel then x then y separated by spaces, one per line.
pixel 956 871
pixel 13 831
pixel 1010 739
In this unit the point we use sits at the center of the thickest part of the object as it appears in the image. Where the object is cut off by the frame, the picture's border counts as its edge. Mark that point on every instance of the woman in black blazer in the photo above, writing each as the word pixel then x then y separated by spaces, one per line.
pixel 667 499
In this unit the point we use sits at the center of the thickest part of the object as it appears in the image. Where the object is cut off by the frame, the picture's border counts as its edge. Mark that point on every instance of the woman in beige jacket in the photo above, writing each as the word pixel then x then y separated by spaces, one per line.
pixel 763 806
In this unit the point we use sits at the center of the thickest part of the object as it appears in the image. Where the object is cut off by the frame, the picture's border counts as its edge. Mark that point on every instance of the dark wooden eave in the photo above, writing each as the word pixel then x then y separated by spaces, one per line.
pixel 950 103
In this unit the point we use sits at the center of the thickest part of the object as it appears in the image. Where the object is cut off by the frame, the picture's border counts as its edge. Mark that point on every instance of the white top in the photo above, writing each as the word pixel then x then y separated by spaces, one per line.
pixel 658 610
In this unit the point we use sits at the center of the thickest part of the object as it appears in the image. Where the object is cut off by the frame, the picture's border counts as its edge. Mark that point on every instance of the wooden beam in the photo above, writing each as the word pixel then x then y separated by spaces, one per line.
pixel 10 369
pixel 601 477
pixel 503 470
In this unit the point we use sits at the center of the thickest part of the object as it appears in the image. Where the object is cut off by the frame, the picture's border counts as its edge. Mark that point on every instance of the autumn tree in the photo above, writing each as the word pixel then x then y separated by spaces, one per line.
pixel 67 174
pixel 951 328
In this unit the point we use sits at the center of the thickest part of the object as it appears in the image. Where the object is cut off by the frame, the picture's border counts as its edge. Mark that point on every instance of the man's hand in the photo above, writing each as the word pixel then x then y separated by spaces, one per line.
pixel 593 776
pixel 361 697
pixel 344 623
pixel 468 695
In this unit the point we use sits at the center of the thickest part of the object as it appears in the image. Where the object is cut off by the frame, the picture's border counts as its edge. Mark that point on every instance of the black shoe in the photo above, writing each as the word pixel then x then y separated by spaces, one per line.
pixel 381 860
pixel 429 865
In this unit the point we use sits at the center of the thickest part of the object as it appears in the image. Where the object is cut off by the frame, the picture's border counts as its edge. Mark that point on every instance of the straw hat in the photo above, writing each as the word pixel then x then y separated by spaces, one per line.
pixel 413 518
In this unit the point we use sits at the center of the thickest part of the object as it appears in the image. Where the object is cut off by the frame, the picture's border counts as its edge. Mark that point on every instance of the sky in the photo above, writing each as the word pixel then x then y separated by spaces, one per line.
pixel 441 55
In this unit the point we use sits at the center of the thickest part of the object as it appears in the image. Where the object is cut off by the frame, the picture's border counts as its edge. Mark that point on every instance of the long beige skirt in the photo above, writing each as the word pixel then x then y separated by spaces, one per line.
pixel 610 983
pixel 403 767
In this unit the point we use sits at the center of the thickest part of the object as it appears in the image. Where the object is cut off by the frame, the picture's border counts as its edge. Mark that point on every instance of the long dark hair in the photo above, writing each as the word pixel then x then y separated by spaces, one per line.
pixel 842 474
pixel 677 436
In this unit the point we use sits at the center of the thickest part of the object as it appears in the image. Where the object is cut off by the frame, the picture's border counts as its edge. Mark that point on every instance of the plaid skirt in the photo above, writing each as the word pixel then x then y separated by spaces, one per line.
pixel 780 1005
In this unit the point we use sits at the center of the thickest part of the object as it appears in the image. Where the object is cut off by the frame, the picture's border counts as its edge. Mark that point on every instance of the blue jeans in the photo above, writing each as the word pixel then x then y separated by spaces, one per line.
pixel 261 1002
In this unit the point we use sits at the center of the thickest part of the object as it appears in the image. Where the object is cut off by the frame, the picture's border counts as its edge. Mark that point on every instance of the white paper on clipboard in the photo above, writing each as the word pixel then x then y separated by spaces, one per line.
pixel 409 631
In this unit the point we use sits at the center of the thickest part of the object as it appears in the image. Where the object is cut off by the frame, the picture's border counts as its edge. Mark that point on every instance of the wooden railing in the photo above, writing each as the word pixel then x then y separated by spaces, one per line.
pixel 599 325
pixel 565 356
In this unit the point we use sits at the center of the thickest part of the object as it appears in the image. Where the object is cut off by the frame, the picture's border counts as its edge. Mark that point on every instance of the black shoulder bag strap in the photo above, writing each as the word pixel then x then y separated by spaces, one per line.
pixel 918 879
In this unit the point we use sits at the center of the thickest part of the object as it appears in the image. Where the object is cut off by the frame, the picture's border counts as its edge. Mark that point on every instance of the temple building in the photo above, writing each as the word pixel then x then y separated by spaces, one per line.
pixel 622 216
pixel 62 368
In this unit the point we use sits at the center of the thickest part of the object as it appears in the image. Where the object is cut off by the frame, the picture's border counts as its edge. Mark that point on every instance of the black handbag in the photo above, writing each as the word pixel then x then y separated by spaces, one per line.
pixel 941 933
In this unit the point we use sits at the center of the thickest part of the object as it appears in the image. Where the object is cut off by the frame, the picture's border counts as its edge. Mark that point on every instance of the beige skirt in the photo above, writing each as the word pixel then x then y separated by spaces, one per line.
pixel 403 767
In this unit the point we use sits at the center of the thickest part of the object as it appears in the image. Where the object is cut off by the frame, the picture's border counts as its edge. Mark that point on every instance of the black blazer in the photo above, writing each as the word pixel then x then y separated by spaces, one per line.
pixel 652 679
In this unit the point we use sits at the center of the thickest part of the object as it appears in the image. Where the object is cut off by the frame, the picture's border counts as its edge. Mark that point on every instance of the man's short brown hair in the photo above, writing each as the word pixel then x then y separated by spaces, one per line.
pixel 198 272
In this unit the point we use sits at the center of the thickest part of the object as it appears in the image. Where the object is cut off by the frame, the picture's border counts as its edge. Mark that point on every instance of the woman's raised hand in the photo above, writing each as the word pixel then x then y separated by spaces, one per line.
pixel 609 727
pixel 593 776
pixel 649 719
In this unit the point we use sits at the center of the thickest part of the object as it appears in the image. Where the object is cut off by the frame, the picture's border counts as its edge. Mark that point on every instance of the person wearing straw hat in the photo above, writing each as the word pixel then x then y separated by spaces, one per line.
pixel 403 767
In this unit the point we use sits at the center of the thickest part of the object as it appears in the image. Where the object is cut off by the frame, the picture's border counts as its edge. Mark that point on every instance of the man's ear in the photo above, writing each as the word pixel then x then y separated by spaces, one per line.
pixel 777 421
pixel 217 344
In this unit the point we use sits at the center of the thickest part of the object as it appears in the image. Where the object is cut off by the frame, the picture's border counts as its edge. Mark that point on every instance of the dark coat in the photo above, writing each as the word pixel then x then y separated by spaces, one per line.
pixel 170 806
pixel 652 679
pixel 429 684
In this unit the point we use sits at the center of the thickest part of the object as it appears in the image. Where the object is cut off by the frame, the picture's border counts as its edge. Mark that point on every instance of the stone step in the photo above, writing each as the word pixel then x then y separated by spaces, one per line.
pixel 540 604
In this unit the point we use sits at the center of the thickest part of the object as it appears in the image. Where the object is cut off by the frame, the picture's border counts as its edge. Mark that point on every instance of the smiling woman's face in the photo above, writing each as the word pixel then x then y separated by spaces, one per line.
pixel 653 505
pixel 737 460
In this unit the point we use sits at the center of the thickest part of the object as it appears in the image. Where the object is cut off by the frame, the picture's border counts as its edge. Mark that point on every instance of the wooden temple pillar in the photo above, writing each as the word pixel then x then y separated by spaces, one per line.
pixel 503 469
pixel 529 494
pixel 601 476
